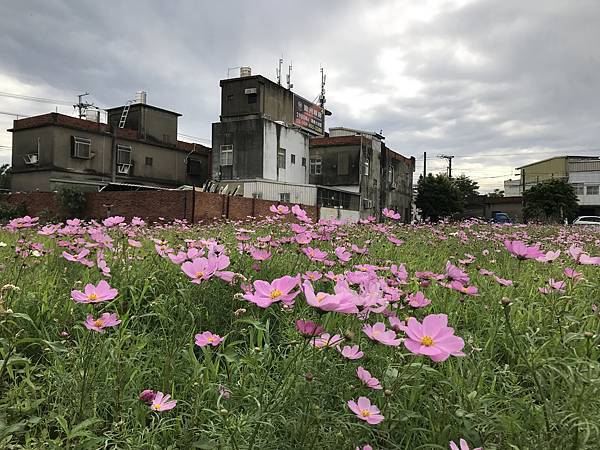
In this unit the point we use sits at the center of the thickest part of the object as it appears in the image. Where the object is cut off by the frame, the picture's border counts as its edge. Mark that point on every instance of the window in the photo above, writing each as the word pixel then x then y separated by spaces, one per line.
pixel 303 162
pixel 343 163
pixel 252 98
pixel 166 138
pixel 226 155
pixel 281 158
pixel 593 190
pixel 315 166
pixel 81 147
pixel 293 158
pixel 148 161
pixel 391 174
pixel 367 203
pixel 123 154
pixel 284 197
pixel 578 189
pixel 257 195
pixel 366 168
pixel 374 183
pixel 194 167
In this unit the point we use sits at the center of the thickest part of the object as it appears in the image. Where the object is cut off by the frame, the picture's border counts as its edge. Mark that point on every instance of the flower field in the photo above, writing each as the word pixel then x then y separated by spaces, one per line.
pixel 281 333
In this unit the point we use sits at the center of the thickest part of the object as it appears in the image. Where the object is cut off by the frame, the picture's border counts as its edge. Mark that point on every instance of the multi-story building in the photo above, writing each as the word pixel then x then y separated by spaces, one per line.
pixel 54 150
pixel 583 172
pixel 359 163
pixel 261 143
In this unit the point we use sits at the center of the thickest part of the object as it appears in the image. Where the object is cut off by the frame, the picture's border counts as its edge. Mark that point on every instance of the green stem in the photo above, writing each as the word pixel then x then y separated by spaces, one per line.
pixel 527 362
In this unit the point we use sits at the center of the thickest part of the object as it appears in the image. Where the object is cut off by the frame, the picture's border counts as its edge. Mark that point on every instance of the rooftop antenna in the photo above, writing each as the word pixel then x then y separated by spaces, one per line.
pixel 322 96
pixel 449 158
pixel 81 106
pixel 289 77
pixel 279 71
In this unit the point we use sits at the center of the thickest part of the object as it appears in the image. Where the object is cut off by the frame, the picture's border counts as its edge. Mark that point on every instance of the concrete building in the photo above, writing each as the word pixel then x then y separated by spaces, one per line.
pixel 583 172
pixel 513 188
pixel 358 162
pixel 53 150
pixel 260 146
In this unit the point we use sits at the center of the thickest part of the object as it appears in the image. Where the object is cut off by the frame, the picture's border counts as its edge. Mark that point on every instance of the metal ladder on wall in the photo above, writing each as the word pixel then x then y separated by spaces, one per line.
pixel 124 114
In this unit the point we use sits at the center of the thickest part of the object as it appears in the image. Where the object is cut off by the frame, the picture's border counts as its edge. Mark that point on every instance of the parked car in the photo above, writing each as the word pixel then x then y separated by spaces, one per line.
pixel 501 217
pixel 587 220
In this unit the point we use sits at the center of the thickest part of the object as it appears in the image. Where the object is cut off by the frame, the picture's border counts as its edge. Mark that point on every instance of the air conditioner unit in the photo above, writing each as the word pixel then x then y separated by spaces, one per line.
pixel 31 159
pixel 123 168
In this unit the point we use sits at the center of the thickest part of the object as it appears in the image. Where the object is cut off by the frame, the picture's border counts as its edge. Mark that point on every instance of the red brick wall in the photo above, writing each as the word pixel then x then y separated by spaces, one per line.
pixel 153 204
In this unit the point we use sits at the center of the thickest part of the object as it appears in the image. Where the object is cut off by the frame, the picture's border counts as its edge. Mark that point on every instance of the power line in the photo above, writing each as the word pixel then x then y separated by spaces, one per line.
pixel 13 114
pixel 35 99
pixel 194 137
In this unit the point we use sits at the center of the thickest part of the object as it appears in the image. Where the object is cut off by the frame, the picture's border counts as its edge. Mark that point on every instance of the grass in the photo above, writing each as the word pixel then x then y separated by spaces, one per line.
pixel 530 378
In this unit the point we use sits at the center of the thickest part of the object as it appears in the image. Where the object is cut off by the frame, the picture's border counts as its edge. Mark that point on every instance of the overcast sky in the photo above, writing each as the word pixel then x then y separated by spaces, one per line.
pixel 496 83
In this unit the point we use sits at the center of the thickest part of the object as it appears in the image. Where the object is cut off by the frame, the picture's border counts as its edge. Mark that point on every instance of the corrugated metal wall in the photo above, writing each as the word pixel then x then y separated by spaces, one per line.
pixel 307 195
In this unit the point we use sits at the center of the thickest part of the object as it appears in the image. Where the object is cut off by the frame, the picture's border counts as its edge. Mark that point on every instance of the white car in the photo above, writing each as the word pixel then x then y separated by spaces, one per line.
pixel 587 220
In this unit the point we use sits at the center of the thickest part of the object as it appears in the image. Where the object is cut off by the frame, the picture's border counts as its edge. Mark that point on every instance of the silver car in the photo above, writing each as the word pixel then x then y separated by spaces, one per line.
pixel 587 220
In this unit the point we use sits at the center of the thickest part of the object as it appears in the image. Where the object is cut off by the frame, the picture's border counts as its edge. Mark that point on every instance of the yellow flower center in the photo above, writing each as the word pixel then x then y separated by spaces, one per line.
pixel 199 274
pixel 99 323
pixel 320 297
pixel 92 297
pixel 427 341
pixel 211 339
pixel 365 412
pixel 275 293
pixel 156 406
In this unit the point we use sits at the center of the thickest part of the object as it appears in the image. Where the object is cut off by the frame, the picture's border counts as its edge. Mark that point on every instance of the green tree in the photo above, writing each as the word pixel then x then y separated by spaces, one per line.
pixel 469 189
pixel 496 194
pixel 438 197
pixel 550 201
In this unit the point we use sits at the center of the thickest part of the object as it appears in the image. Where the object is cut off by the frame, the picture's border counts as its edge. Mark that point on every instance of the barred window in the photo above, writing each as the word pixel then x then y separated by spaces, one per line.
pixel 226 155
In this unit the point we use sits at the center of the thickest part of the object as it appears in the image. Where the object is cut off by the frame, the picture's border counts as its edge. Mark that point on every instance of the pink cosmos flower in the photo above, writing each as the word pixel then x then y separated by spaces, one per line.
pixel 199 269
pixel 340 301
pixel 95 294
pixel 522 251
pixel 342 254
pixel 455 274
pixel 309 328
pixel 314 254
pixel 503 281
pixel 400 273
pixel 134 243
pixel 351 352
pixel 558 285
pixel 207 338
pixel 162 402
pixel 418 300
pixel 359 250
pixel 104 321
pixel 22 222
pixel 147 396
pixel 458 286
pixel 260 254
pixel 326 340
pixel 378 333
pixel 390 213
pixel 265 293
pixel 549 257
pixel 486 272
pixel 366 447
pixel 573 274
pixel 433 338
pixel 303 238
pixel 178 258
pixel 279 209
pixel 463 445
pixel 312 276
pixel 364 410
pixel 79 257
pixel 113 221
pixel 368 380
pixel 394 240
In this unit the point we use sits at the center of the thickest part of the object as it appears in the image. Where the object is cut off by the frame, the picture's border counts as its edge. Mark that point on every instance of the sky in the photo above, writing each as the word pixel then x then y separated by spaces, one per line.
pixel 495 83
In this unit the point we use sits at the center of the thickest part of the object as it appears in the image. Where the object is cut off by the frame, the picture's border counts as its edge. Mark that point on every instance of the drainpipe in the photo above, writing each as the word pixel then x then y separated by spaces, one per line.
pixel 113 156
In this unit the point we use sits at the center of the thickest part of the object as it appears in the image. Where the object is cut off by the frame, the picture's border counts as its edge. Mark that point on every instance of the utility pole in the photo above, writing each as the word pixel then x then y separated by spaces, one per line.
pixel 424 164
pixel 279 72
pixel 289 77
pixel 82 106
pixel 449 158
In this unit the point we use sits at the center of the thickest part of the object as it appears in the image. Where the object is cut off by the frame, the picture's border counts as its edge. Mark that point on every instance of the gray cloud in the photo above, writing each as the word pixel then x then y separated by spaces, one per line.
pixel 470 78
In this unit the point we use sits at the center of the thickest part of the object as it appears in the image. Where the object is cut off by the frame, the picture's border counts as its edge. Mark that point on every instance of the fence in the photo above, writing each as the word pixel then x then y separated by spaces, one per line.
pixel 152 205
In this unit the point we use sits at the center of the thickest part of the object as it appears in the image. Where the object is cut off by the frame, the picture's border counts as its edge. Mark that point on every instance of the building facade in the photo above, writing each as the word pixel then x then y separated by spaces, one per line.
pixel 53 150
pixel 583 172
pixel 260 140
pixel 359 163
